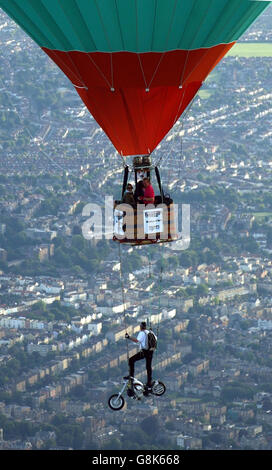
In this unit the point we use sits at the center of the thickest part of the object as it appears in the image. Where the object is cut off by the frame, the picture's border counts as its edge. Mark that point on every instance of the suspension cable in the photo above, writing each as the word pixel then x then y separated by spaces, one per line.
pixel 156 352
pixel 160 293
pixel 110 85
pixel 181 144
pixel 123 296
pixel 180 160
pixel 66 67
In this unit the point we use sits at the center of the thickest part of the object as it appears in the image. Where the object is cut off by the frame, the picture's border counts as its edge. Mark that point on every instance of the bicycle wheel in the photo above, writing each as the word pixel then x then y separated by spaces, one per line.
pixel 158 388
pixel 116 402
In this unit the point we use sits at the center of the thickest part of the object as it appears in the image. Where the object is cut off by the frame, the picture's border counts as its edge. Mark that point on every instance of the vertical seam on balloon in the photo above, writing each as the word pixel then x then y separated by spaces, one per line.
pixel 137 44
pixel 241 21
pixel 245 16
pixel 119 23
pixel 257 8
pixel 31 34
pixel 103 26
pixel 189 49
pixel 199 26
pixel 154 22
pixel 68 17
pixel 60 33
pixel 89 31
pixel 189 15
pixel 136 21
pixel 225 8
pixel 171 24
pixel 166 43
pixel 249 17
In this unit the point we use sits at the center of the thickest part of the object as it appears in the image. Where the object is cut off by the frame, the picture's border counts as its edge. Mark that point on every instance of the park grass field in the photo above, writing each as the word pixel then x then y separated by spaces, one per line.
pixel 185 399
pixel 260 216
pixel 241 49
pixel 251 49
pixel 204 94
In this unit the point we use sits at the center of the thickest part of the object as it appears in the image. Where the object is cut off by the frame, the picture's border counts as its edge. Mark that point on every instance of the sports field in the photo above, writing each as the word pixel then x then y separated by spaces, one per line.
pixel 251 49
pixel 204 94
pixel 242 49
pixel 260 216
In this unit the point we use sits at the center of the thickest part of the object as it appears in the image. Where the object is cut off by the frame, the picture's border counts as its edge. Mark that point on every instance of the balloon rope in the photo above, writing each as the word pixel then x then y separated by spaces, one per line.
pixel 156 69
pixel 142 69
pixel 99 70
pixel 78 72
pixel 184 68
pixel 160 294
pixel 192 71
pixel 123 297
pixel 65 66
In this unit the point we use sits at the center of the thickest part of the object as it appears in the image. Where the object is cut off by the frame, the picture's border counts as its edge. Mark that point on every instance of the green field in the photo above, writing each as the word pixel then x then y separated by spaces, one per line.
pixel 242 49
pixel 185 399
pixel 261 215
pixel 204 94
pixel 251 49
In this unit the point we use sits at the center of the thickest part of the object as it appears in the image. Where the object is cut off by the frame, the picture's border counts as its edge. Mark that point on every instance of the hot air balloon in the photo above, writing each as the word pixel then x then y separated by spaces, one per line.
pixel 136 64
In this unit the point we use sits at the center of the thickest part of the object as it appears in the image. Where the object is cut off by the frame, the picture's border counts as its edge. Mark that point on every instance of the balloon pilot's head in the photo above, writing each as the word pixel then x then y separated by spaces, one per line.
pixel 146 182
pixel 143 325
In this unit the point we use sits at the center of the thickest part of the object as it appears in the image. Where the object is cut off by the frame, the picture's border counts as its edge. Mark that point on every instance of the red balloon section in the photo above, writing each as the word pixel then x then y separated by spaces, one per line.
pixel 137 98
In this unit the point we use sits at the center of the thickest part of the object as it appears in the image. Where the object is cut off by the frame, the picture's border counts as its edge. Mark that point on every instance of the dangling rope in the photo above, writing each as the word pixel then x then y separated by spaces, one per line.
pixel 159 306
pixel 160 293
pixel 123 296
pixel 181 153
pixel 156 354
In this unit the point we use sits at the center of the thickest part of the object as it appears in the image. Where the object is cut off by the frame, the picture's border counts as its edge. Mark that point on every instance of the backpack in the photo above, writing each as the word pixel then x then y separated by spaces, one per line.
pixel 151 341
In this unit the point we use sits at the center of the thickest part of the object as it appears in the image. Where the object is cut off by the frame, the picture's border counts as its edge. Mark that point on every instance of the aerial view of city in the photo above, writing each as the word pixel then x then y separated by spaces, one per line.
pixel 70 304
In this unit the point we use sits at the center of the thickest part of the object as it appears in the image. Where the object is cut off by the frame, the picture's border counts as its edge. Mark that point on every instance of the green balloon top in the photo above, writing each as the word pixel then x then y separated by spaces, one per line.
pixel 133 25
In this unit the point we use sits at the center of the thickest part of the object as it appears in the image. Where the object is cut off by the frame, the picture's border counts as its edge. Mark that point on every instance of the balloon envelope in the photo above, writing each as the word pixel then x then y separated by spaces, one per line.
pixel 136 64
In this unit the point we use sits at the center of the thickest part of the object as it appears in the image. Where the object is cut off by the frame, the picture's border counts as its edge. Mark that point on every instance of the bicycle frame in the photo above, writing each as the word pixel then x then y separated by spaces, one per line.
pixel 135 382
pixel 138 390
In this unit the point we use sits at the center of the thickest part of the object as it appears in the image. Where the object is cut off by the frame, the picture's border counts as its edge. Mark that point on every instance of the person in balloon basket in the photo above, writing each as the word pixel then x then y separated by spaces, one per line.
pixel 139 190
pixel 144 353
pixel 149 194
pixel 128 197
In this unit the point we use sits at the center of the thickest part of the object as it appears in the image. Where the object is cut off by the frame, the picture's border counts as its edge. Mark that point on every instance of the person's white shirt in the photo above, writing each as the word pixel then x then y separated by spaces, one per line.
pixel 143 339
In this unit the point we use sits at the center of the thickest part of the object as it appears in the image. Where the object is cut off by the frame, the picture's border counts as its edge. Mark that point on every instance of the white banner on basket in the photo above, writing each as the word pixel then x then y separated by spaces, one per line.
pixel 118 222
pixel 153 221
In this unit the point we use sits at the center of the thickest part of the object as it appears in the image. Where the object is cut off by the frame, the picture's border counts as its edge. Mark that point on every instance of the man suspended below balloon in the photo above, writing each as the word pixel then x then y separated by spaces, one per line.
pixel 137 65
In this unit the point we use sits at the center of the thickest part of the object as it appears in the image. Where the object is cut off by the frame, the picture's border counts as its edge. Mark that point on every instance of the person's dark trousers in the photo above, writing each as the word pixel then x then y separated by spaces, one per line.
pixel 143 354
